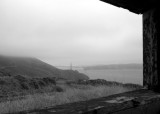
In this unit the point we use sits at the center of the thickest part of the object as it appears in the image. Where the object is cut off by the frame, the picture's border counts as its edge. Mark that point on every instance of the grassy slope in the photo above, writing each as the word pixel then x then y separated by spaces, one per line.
pixel 32 67
pixel 20 85
pixel 72 93
pixel 67 92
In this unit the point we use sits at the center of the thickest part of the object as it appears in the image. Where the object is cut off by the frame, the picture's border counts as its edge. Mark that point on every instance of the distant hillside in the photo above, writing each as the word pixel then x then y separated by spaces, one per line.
pixel 114 66
pixel 34 68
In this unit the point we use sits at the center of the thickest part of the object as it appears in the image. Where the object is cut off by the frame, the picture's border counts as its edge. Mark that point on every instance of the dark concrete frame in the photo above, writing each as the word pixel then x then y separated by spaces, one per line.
pixel 151 31
pixel 151 44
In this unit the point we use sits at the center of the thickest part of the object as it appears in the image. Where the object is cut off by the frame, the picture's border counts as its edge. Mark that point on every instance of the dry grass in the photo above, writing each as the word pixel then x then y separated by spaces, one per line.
pixel 70 94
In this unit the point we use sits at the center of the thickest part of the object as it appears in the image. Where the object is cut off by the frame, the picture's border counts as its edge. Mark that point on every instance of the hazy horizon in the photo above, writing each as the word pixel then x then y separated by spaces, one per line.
pixel 60 32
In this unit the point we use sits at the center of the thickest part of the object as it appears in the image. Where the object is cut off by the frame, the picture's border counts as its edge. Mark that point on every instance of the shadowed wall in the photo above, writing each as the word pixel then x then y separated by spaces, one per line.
pixel 150 49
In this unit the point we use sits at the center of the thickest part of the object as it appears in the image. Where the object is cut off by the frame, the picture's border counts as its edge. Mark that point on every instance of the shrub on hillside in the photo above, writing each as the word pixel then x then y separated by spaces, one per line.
pixel 59 89
pixel 49 80
pixel 22 84
pixel 20 78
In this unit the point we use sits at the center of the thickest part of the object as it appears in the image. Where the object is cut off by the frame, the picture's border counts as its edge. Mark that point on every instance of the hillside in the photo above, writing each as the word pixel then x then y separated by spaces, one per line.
pixel 115 66
pixel 34 68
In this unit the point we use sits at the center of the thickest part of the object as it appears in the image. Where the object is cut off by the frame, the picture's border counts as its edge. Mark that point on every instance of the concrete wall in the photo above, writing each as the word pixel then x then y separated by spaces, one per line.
pixel 153 108
pixel 150 49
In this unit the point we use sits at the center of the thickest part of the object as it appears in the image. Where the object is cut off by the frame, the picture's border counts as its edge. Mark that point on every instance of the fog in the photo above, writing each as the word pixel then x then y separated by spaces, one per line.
pixel 60 32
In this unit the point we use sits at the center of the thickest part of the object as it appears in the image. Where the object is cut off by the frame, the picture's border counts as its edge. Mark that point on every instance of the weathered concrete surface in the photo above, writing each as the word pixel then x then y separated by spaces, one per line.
pixel 136 6
pixel 126 103
pixel 151 42
pixel 153 108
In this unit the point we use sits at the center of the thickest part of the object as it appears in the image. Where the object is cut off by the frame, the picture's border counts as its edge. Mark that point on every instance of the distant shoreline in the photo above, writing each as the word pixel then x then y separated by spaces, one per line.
pixel 115 66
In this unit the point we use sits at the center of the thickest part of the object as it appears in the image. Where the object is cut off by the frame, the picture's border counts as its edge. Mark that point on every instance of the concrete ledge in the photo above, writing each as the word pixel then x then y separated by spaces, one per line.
pixel 139 102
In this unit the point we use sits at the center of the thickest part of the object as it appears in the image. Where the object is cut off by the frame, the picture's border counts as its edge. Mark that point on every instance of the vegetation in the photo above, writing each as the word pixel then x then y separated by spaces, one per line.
pixel 33 93
pixel 98 82
pixel 71 93
pixel 29 84
pixel 34 68
pixel 20 85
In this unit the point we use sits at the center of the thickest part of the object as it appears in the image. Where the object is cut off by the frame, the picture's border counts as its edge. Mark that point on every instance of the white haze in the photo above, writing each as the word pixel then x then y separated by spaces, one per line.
pixel 84 32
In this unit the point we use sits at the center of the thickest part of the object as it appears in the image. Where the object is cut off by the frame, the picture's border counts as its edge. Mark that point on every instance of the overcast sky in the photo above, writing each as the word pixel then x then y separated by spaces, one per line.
pixel 84 32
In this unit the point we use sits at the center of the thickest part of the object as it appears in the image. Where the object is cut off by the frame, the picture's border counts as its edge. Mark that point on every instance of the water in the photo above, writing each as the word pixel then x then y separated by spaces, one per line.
pixel 134 76
pixel 120 75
